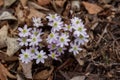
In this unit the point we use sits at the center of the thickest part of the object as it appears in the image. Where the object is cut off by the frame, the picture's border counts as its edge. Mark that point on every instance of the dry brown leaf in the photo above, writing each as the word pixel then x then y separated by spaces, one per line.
pixel 78 78
pixel 35 13
pixel 27 69
pixel 12 46
pixel 92 8
pixel 20 14
pixel 2 75
pixel 5 72
pixel 45 74
pixel 1 2
pixel 7 16
pixel 43 2
pixel 36 6
pixel 8 3
pixel 3 36
pixel 23 2
pixel 19 77
pixel 60 3
pixel 75 5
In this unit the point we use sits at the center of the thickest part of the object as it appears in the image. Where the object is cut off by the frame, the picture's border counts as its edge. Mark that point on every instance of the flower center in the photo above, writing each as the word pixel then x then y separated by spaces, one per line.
pixel 24 40
pixel 69 26
pixel 24 31
pixel 26 55
pixel 60 49
pixel 75 48
pixel 51 35
pixel 53 55
pixel 81 36
pixel 39 56
pixel 77 22
pixel 34 39
pixel 79 29
pixel 32 51
pixel 62 39
pixel 55 24
pixel 53 16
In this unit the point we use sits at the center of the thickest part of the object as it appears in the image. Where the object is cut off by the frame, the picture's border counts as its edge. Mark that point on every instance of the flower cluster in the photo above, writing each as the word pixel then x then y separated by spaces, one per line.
pixel 62 37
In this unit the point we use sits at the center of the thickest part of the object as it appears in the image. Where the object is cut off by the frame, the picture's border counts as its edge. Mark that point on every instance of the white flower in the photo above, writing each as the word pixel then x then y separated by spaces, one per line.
pixel 23 41
pixel 52 37
pixel 60 50
pixel 79 30
pixel 24 31
pixel 74 48
pixel 34 40
pixel 33 50
pixel 53 17
pixel 40 56
pixel 53 55
pixel 52 47
pixel 68 27
pixel 82 39
pixel 37 32
pixel 76 21
pixel 63 40
pixel 37 22
pixel 25 57
pixel 56 25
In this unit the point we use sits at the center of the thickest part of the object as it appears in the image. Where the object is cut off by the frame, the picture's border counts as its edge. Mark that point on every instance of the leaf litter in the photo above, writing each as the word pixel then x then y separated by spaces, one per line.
pixel 100 58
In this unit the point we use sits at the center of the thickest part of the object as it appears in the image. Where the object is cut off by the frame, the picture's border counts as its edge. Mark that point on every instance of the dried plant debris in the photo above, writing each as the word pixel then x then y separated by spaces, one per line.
pixel 12 46
pixel 7 16
pixel 3 36
pixel 27 69
pixel 8 3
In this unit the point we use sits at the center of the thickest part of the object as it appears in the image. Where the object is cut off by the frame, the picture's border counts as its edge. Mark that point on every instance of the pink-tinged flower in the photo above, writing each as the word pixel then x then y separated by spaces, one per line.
pixel 61 50
pixel 25 57
pixel 82 39
pixel 63 40
pixel 53 55
pixel 33 50
pixel 68 27
pixel 56 25
pixel 37 22
pixel 24 31
pixel 76 21
pixel 79 30
pixel 23 41
pixel 52 37
pixel 53 17
pixel 52 47
pixel 40 56
pixel 34 40
pixel 75 48
pixel 37 32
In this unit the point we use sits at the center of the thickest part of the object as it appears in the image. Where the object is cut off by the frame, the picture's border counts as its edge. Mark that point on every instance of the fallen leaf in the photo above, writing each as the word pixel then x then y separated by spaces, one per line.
pixel 60 3
pixel 12 46
pixel 35 13
pixel 19 77
pixel 92 8
pixel 43 2
pixel 5 72
pixel 78 78
pixel 1 2
pixel 24 2
pixel 27 69
pixel 45 74
pixel 8 3
pixel 3 36
pixel 106 1
pixel 7 16
pixel 36 6
pixel 75 5
pixel 2 75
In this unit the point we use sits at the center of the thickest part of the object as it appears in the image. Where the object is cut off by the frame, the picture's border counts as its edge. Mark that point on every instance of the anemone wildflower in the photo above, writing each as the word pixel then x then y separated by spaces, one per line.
pixel 60 50
pixel 24 31
pixel 53 17
pixel 52 47
pixel 25 57
pixel 52 37
pixel 40 56
pixel 34 40
pixel 76 21
pixel 37 32
pixel 23 41
pixel 75 48
pixel 82 39
pixel 37 22
pixel 53 55
pixel 63 40
pixel 56 25
pixel 68 27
